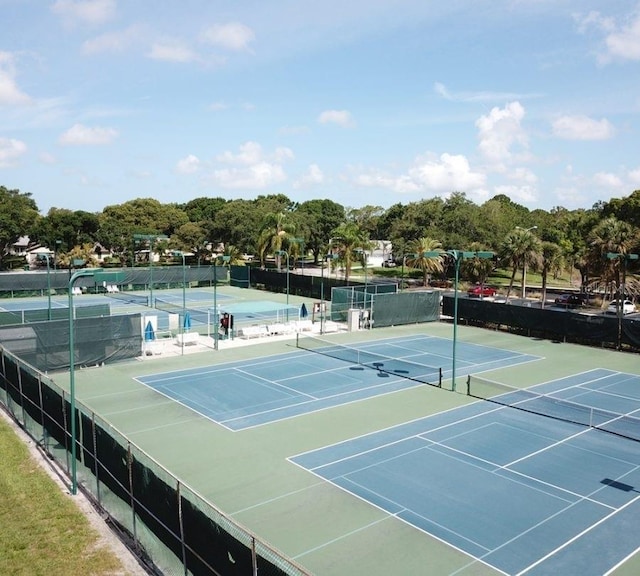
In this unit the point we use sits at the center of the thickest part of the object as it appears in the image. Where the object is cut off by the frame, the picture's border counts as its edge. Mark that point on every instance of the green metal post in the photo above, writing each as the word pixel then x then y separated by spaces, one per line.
pixel 457 256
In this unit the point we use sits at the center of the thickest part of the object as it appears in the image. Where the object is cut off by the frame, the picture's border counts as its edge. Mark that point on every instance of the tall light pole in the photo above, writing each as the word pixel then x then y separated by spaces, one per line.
pixel 457 256
pixel 149 238
pixel 46 257
pixel 216 315
pixel 325 259
pixel 184 293
pixel 524 264
pixel 55 254
pixel 285 253
pixel 621 289
pixel 72 362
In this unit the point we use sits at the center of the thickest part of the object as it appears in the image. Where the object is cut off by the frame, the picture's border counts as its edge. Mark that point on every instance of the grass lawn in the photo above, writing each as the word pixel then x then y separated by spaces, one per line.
pixel 42 530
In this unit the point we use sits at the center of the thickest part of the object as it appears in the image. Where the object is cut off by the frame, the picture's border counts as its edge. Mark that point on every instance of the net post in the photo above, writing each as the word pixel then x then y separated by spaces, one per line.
pixel 468 384
pixel 297 339
pixel 440 377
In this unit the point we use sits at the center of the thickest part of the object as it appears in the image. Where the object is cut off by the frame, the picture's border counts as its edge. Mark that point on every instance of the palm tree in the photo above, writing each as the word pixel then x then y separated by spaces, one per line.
pixel 350 242
pixel 273 232
pixel 520 248
pixel 551 258
pixel 428 264
pixel 610 235
pixel 477 269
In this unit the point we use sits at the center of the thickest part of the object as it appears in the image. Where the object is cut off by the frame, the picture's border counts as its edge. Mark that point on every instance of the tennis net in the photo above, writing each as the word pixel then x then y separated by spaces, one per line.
pixel 197 314
pixel 129 297
pixel 401 368
pixel 527 400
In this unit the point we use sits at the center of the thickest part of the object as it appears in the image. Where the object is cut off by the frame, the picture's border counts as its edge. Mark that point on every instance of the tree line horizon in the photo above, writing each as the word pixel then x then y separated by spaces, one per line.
pixel 273 225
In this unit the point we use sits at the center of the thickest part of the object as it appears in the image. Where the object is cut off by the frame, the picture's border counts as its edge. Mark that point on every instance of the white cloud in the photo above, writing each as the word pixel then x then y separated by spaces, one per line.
pixel 47 158
pixel 85 11
pixel 499 131
pixel 312 177
pixel 620 41
pixel 9 91
pixel 112 41
pixel 430 174
pixel 188 165
pixel 634 177
pixel 607 180
pixel 448 173
pixel 582 128
pixel 251 168
pixel 217 106
pixel 255 177
pixel 293 130
pixel 340 117
pixel 594 20
pixel 522 175
pixel 480 96
pixel 625 43
pixel 10 151
pixel 82 135
pixel 232 36
pixel 172 51
pixel 252 153
pixel 521 194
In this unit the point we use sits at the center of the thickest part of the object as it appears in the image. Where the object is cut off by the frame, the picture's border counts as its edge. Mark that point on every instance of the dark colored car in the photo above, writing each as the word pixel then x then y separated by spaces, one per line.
pixel 571 300
pixel 481 290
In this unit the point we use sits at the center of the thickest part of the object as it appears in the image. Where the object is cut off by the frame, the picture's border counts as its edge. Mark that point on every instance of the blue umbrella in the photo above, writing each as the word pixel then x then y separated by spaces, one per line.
pixel 187 321
pixel 149 332
pixel 303 311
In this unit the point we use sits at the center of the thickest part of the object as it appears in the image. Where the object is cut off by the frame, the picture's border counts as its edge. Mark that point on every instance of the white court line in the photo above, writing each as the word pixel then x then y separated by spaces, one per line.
pixel 388 516
pixel 274 384
pixel 577 536
pixel 622 562
pixel 296 404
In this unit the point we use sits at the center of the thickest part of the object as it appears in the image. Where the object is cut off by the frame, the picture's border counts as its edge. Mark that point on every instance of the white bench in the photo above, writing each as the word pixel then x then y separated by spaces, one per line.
pixel 253 331
pixel 304 325
pixel 188 338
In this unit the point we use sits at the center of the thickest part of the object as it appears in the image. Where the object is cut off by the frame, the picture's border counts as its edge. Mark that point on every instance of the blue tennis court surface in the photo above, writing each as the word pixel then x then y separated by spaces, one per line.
pixel 243 394
pixel 523 493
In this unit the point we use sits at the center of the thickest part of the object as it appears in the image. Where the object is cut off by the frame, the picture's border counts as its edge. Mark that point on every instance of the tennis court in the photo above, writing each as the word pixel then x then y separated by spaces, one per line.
pixel 313 454
pixel 521 492
pixel 320 375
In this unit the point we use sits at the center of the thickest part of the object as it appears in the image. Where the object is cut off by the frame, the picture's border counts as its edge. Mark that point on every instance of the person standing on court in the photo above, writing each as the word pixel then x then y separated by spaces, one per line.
pixel 224 324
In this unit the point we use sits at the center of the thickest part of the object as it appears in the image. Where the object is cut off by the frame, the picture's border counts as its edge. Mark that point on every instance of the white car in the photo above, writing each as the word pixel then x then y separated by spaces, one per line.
pixel 627 307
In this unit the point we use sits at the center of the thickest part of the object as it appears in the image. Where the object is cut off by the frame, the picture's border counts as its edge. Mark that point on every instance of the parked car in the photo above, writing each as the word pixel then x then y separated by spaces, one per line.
pixel 628 307
pixel 481 290
pixel 571 300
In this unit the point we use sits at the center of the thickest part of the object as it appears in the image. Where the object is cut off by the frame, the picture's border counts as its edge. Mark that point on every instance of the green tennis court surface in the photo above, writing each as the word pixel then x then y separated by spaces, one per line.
pixel 535 492
pixel 249 472
pixel 319 376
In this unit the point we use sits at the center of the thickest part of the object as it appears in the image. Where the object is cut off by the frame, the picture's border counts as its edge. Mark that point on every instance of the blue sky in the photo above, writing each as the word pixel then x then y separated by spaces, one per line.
pixel 365 102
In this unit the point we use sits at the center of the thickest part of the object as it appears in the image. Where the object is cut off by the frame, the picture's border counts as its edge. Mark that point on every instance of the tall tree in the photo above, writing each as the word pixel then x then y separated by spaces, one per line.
pixel 316 220
pixel 550 258
pixel 519 249
pixel 418 258
pixel 346 241
pixel 611 235
pixel 18 214
pixel 275 229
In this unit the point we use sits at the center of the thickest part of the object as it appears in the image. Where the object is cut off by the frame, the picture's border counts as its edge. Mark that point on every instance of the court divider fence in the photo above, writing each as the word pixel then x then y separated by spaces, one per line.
pixel 99 340
pixel 138 278
pixel 172 529
pixel 595 330
pixel 384 306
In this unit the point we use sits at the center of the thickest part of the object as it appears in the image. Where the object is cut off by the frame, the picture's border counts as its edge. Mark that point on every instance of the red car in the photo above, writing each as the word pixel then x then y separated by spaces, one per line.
pixel 481 290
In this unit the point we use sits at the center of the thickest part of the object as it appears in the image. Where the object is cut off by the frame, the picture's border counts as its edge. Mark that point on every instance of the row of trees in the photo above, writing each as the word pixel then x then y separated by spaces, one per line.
pixel 549 241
